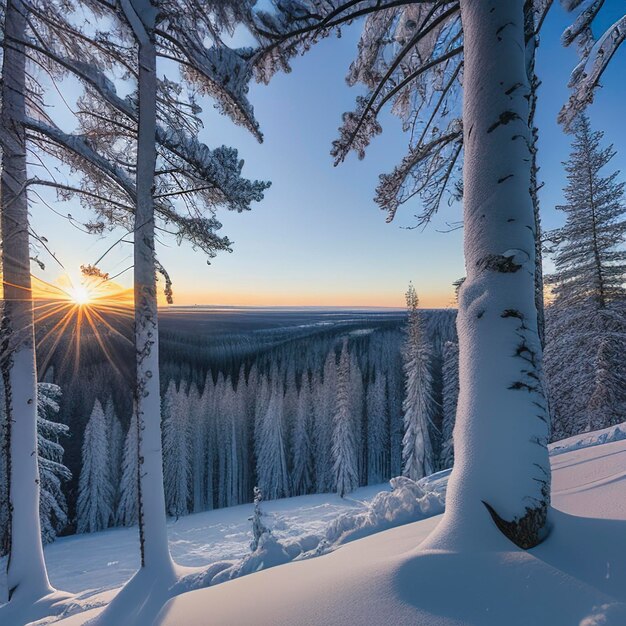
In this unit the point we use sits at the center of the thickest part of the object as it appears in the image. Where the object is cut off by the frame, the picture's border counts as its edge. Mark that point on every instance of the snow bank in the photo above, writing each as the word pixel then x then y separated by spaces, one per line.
pixel 585 440
pixel 577 577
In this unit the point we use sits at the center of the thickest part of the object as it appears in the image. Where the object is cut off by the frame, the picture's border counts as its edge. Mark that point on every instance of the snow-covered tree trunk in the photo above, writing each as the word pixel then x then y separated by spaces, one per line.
pixel 147 404
pixel 501 459
pixel 26 571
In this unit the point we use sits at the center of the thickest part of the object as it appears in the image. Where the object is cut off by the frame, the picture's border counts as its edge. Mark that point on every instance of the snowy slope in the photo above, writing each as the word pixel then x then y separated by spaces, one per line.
pixel 576 577
pixel 109 558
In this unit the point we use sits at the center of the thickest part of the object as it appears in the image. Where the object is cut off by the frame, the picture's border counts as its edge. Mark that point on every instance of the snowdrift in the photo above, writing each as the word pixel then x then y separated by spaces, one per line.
pixel 576 577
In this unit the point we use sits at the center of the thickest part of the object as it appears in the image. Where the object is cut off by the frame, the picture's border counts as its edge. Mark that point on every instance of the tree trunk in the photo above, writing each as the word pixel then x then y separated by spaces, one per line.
pixel 147 402
pixel 26 571
pixel 501 473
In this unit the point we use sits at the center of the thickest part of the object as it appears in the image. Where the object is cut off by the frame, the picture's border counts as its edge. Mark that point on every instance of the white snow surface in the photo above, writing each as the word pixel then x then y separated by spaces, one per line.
pixel 373 579
pixel 577 577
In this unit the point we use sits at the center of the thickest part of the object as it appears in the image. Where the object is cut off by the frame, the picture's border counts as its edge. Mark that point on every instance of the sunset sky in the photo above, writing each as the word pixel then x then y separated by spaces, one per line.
pixel 318 238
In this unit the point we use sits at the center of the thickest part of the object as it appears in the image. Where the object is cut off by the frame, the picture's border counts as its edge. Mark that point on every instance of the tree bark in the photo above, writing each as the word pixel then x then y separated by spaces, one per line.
pixel 147 402
pixel 501 473
pixel 26 571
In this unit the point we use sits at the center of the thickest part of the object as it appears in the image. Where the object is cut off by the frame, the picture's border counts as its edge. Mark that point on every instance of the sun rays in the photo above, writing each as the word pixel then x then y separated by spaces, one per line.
pixel 73 311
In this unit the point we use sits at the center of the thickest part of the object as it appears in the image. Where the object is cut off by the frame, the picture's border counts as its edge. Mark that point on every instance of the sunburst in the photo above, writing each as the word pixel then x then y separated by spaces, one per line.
pixel 73 308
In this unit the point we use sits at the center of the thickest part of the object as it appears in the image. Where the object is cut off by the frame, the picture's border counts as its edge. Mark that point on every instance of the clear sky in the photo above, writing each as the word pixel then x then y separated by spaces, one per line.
pixel 318 238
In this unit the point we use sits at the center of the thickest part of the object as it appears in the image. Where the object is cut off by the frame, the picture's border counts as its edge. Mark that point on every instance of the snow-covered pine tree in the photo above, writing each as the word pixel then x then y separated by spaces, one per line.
pixel 344 448
pixel 127 513
pixel 301 442
pixel 357 411
pixel 52 472
pixel 587 320
pixel 176 451
pixel 324 399
pixel 198 436
pixel 95 492
pixel 450 401
pixel 418 458
pixel 377 429
pixel 209 413
pixel 115 436
pixel 272 460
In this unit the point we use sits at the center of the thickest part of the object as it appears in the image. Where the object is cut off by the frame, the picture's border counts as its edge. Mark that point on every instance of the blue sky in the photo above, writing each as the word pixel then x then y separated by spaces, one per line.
pixel 318 238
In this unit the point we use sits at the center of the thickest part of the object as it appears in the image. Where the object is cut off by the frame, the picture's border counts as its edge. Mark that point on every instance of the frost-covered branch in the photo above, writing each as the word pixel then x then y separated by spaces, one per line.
pixel 595 56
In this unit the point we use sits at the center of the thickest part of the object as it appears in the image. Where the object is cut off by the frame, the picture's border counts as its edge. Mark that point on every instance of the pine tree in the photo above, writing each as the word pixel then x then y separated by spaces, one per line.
pixel 357 411
pixel 344 448
pixel 450 400
pixel 419 403
pixel 302 449
pixel 272 461
pixel 52 471
pixel 325 395
pixel 95 492
pixel 198 435
pixel 586 330
pixel 115 437
pixel 128 506
pixel 377 430
pixel 176 451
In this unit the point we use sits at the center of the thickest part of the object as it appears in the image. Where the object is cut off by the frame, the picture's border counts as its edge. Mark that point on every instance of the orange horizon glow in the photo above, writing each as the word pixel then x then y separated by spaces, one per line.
pixel 440 300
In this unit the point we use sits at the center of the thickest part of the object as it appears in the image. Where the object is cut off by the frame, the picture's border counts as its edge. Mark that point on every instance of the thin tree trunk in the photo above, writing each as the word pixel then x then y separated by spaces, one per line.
pixel 147 402
pixel 501 472
pixel 26 571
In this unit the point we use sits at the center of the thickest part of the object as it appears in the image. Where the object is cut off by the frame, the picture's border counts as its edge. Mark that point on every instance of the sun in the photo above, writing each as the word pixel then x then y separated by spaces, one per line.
pixel 80 294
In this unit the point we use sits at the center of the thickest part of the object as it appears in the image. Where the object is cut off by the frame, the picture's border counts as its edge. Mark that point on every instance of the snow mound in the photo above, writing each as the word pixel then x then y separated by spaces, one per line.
pixel 585 440
pixel 577 577
pixel 408 501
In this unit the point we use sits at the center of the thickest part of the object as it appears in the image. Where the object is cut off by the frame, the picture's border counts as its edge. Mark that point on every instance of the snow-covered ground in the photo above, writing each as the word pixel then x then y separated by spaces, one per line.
pixel 107 559
pixel 577 577
pixel 582 557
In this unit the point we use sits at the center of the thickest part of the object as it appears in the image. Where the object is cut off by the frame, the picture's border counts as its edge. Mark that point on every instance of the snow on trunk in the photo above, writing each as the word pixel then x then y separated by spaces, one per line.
pixel 501 470
pixel 26 571
pixel 147 403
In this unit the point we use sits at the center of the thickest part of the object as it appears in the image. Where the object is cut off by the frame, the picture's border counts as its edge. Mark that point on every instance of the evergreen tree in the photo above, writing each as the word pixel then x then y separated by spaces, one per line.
pixel 302 450
pixel 198 435
pixel 586 332
pixel 344 448
pixel 450 400
pixel 128 506
pixel 176 451
pixel 95 492
pixel 419 404
pixel 272 462
pixel 115 436
pixel 52 471
pixel 325 395
pixel 377 430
